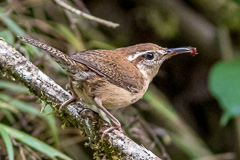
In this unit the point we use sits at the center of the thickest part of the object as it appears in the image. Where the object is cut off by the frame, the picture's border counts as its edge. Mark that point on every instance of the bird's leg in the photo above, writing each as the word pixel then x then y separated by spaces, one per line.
pixel 73 98
pixel 116 124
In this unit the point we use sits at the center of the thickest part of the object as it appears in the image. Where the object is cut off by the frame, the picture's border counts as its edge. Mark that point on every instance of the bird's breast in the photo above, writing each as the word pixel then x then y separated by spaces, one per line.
pixel 112 96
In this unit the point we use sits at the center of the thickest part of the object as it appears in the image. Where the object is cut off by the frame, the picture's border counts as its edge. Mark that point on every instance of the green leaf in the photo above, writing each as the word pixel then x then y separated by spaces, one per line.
pixel 52 124
pixel 98 44
pixel 32 49
pixel 11 25
pixel 8 36
pixel 238 2
pixel 224 84
pixel 34 143
pixel 20 105
pixel 16 29
pixel 9 116
pixel 182 135
pixel 13 105
pixel 70 37
pixel 13 86
pixel 8 144
pixel 8 106
pixel 159 103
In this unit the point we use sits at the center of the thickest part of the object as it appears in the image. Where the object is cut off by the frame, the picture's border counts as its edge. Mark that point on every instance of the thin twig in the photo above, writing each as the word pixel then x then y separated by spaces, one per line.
pixel 85 15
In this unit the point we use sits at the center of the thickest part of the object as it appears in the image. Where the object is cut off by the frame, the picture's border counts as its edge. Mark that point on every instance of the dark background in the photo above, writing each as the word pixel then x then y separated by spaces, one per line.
pixel 212 26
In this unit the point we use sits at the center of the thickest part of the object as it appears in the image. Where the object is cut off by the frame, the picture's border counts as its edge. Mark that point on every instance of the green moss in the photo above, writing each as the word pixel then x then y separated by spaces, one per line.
pixel 104 150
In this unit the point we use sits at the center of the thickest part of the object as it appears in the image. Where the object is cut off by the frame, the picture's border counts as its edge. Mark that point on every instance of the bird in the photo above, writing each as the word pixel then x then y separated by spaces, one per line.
pixel 111 79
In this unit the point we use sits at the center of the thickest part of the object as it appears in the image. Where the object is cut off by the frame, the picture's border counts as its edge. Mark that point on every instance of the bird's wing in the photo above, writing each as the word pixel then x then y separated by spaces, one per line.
pixel 113 66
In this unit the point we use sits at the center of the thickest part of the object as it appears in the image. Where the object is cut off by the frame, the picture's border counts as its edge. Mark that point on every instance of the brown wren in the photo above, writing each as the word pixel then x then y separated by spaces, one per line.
pixel 111 79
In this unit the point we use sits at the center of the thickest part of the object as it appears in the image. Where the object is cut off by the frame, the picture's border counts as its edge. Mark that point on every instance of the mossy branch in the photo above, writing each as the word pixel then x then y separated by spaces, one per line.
pixel 115 146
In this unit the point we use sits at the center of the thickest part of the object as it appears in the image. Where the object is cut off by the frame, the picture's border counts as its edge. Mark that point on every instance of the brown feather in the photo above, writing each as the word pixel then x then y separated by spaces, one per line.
pixel 114 67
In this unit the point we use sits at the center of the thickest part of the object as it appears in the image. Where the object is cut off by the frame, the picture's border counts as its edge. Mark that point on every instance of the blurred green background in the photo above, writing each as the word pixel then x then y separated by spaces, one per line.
pixel 190 110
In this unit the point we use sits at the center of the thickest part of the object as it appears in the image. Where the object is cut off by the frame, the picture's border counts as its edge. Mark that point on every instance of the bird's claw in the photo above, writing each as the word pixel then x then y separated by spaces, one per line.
pixel 105 132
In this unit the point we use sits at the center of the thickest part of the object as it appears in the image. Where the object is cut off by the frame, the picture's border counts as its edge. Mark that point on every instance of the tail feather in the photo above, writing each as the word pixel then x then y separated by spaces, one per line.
pixel 62 59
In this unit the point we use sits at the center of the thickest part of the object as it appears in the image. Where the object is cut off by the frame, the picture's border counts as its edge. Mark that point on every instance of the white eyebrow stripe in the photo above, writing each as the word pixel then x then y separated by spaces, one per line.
pixel 135 56
pixel 162 52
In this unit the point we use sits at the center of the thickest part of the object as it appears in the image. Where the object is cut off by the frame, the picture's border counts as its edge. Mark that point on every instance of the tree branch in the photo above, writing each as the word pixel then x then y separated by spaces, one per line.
pixel 115 146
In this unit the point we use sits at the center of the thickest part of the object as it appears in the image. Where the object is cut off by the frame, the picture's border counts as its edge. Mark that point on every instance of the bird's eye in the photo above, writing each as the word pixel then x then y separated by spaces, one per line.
pixel 149 55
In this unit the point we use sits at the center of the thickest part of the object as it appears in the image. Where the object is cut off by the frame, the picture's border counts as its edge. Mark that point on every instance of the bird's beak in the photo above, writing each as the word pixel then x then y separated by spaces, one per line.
pixel 175 51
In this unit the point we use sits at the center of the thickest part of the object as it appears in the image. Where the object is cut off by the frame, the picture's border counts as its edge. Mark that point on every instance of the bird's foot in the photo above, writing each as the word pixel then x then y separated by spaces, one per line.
pixel 105 132
pixel 73 98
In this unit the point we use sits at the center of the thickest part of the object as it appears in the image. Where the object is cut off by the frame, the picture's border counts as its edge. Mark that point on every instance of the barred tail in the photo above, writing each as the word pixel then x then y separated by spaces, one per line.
pixel 62 59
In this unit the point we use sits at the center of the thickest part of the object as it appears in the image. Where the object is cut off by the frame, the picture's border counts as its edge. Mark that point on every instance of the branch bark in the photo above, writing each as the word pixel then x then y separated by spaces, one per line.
pixel 115 146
